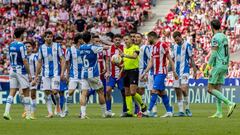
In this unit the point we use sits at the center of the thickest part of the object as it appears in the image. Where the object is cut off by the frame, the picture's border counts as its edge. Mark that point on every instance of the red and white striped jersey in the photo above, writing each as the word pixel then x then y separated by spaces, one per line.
pixel 159 57
pixel 114 70
pixel 102 62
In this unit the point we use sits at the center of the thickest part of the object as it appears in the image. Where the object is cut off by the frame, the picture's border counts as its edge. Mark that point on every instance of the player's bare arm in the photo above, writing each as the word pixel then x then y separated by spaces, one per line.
pixel 63 66
pixel 211 60
pixel 39 65
pixel 173 66
pixel 150 64
pixel 25 62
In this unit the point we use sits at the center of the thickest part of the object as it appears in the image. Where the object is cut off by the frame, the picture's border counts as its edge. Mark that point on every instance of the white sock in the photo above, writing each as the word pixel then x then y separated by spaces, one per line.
pixel 33 106
pixel 186 101
pixel 154 109
pixel 9 102
pixel 27 104
pixel 57 99
pixel 180 105
pixel 103 108
pixel 49 104
pixel 68 98
pixel 83 111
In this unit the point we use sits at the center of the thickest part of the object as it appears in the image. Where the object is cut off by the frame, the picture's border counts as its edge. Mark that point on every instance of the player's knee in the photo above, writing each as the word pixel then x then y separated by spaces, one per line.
pixel 209 89
pixel 33 96
pixel 109 90
pixel 55 92
pixel 84 93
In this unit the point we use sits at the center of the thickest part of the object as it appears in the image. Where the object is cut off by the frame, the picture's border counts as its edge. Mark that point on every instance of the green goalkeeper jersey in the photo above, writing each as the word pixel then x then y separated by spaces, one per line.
pixel 222 60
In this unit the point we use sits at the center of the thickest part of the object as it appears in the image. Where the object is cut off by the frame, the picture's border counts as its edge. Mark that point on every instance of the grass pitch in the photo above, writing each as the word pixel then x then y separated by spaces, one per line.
pixel 199 124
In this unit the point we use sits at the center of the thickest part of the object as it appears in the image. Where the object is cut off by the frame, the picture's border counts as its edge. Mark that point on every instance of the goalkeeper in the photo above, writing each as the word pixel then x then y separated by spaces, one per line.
pixel 217 68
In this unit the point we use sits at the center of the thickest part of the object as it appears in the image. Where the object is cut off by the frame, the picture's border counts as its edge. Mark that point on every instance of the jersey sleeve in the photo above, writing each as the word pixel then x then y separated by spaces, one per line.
pixel 35 60
pixel 23 51
pixel 214 42
pixel 40 55
pixel 68 54
pixel 60 51
pixel 96 49
pixel 165 49
pixel 137 49
pixel 189 50
pixel 148 52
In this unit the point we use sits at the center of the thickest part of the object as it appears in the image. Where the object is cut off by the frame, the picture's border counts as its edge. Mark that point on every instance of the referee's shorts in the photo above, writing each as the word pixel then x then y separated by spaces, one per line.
pixel 131 77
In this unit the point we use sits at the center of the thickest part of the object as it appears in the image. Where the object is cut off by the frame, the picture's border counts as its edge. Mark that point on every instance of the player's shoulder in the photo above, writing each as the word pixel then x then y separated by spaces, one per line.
pixel 164 45
pixel 56 44
pixel 188 44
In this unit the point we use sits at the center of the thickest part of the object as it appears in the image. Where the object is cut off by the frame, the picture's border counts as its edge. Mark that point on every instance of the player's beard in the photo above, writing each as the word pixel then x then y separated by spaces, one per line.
pixel 151 42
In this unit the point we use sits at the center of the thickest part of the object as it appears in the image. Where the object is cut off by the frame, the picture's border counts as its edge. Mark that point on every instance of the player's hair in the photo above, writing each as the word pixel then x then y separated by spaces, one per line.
pixel 77 37
pixel 95 36
pixel 117 36
pixel 127 35
pixel 132 32
pixel 152 34
pixel 176 34
pixel 86 37
pixel 48 33
pixel 31 43
pixel 28 42
pixel 215 24
pixel 139 34
pixel 58 37
pixel 19 31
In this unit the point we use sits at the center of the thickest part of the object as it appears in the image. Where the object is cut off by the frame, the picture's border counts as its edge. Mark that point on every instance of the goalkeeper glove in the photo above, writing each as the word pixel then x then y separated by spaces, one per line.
pixel 206 70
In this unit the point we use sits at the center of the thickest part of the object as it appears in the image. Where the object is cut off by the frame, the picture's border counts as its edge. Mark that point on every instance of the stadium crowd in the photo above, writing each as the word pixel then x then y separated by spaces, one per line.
pixel 192 18
pixel 66 17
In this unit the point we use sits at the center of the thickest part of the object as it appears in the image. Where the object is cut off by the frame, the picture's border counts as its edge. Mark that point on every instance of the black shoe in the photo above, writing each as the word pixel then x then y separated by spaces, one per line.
pixel 144 108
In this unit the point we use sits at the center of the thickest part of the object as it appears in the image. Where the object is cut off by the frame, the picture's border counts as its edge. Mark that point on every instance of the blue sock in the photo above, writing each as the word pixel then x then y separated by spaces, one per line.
pixel 62 101
pixel 124 109
pixel 165 101
pixel 153 100
pixel 90 92
pixel 109 105
pixel 136 108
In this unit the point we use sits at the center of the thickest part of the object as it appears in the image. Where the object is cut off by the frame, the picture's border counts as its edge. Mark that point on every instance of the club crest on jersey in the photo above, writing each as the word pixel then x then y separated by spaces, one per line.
pixel 214 43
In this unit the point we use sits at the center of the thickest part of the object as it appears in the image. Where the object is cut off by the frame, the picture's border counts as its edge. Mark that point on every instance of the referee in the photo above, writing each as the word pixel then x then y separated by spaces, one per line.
pixel 131 64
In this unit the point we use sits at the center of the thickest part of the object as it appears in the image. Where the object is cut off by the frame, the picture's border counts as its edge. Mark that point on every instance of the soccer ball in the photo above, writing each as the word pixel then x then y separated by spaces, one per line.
pixel 116 59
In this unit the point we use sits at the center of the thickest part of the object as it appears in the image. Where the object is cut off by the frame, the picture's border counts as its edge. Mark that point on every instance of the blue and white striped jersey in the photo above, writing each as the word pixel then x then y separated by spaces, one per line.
pixel 144 56
pixel 88 54
pixel 181 55
pixel 17 53
pixel 73 56
pixel 32 60
pixel 50 56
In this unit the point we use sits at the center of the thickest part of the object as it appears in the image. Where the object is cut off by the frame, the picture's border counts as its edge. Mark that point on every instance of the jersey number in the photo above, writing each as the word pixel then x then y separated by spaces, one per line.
pixel 85 61
pixel 13 58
